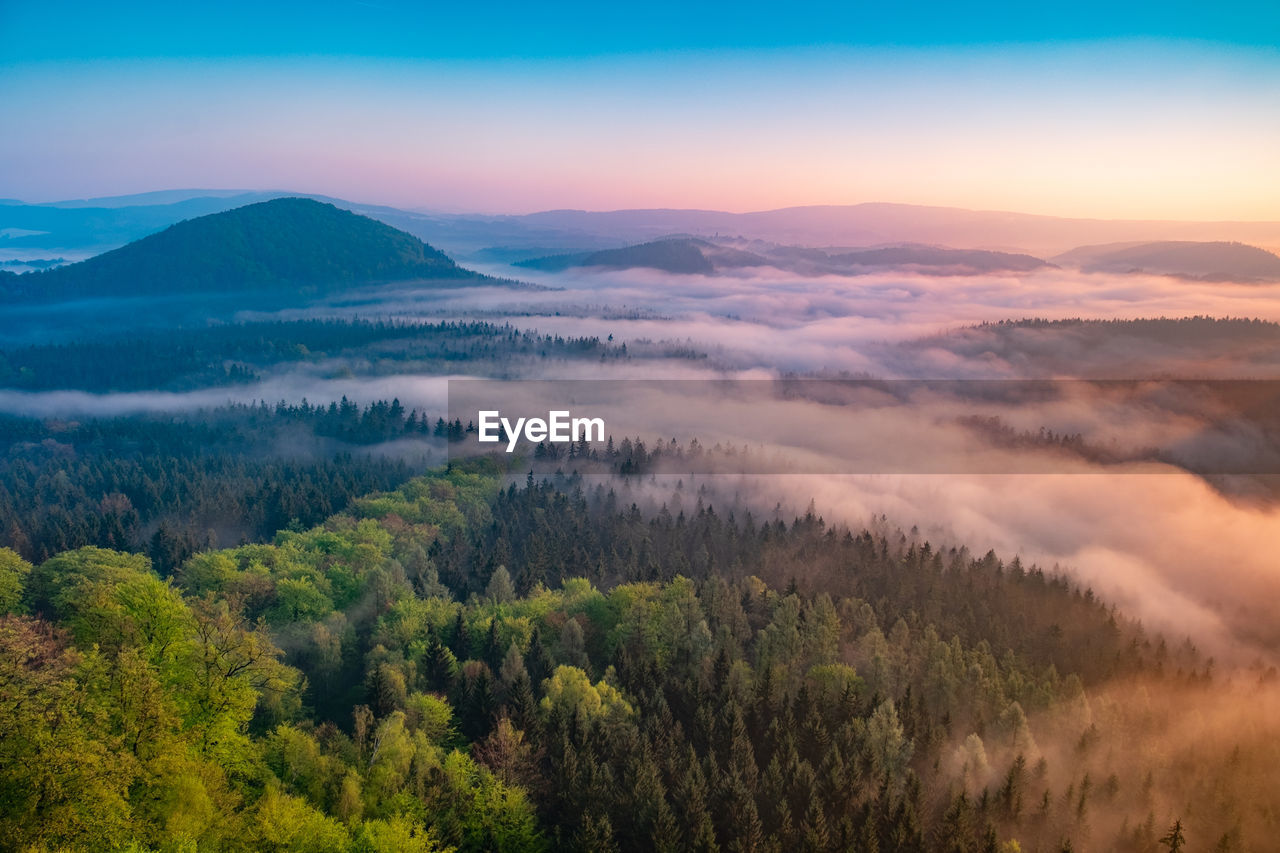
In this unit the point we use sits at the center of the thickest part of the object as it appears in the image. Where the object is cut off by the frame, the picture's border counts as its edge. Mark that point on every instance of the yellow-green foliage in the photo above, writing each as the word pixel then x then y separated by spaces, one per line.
pixel 569 691
pixel 13 574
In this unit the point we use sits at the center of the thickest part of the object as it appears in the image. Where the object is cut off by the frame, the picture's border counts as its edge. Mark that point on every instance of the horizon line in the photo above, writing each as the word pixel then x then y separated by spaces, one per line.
pixel 231 192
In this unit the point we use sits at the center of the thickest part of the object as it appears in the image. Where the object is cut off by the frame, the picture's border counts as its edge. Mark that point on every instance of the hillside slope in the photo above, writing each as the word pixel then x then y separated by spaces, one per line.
pixel 1209 261
pixel 674 255
pixel 274 246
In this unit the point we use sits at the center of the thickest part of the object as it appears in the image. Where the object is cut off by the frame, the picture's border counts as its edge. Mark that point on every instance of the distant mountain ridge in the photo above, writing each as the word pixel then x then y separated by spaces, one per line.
pixel 691 255
pixel 1207 261
pixel 883 223
pixel 675 255
pixel 937 260
pixel 285 244
pixel 1189 348
pixel 97 224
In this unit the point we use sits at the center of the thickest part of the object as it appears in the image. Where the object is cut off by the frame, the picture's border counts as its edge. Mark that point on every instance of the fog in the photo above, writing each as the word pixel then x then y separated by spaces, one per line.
pixel 1167 549
pixel 1167 546
pixel 427 393
pixel 1171 549
pixel 1189 555
pixel 886 324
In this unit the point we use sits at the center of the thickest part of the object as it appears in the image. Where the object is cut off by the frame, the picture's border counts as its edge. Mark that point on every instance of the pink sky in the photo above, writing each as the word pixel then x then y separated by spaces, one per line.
pixel 1112 130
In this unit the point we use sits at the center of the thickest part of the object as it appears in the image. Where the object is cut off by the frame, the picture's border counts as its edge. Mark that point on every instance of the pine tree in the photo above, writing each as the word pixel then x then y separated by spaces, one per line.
pixel 460 639
pixel 440 667
pixel 740 820
pixel 1173 839
pixel 814 837
pixel 699 832
pixel 595 835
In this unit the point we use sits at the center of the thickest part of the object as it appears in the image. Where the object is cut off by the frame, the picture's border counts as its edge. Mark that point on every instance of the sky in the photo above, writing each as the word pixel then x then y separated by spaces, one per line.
pixel 1136 110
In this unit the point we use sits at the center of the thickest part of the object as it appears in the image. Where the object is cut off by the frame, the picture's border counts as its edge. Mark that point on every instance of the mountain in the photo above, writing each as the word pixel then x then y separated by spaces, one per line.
pixel 692 255
pixel 1196 347
pixel 935 260
pixel 1212 261
pixel 674 255
pixel 285 244
pixel 166 197
pixel 96 225
pixel 58 228
pixel 975 260
pixel 877 223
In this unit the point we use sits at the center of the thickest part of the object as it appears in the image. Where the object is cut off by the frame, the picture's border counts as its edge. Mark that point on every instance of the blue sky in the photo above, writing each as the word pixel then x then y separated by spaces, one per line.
pixel 60 30
pixel 1135 110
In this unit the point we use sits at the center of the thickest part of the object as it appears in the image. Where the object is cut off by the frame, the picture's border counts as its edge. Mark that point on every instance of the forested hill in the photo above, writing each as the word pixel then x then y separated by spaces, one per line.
pixel 277 245
pixel 463 665
pixel 1206 261
pixel 694 256
pixel 682 255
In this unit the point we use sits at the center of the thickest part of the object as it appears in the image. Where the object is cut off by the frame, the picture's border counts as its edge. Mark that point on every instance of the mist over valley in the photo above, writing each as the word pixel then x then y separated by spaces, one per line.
pixel 258 399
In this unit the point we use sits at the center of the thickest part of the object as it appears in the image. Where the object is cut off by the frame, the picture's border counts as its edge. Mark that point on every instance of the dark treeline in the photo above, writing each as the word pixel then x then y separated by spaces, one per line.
pixel 172 485
pixel 632 456
pixel 1173 329
pixel 996 430
pixel 461 664
pixel 179 359
pixel 556 530
pixel 342 419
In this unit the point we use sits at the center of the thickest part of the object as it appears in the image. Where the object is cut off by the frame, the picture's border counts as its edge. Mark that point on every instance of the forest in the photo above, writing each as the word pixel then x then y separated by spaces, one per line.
pixel 930 492
pixel 168 485
pixel 479 661
pixel 217 355
pixel 237 623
